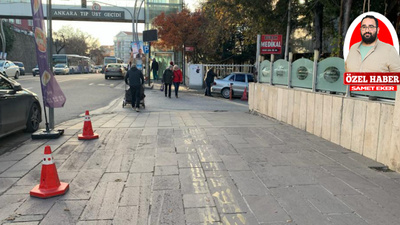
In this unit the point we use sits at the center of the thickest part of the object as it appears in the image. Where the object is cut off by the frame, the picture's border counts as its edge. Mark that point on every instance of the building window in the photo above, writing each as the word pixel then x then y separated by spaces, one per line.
pixel 30 23
pixel 17 21
pixel 11 21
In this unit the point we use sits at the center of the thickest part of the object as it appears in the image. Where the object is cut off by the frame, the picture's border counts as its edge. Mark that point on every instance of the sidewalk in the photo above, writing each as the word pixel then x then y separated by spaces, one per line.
pixel 197 167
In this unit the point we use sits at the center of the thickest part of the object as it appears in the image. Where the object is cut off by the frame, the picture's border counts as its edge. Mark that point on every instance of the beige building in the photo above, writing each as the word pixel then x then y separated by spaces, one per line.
pixel 122 45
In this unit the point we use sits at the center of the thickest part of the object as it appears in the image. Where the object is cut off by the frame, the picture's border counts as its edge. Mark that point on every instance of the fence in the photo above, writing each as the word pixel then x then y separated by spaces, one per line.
pixel 324 76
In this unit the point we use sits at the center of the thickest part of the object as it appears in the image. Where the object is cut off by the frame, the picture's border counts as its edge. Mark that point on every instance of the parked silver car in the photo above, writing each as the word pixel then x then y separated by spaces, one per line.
pixel 238 80
pixel 61 69
pixel 19 108
pixel 9 69
pixel 114 70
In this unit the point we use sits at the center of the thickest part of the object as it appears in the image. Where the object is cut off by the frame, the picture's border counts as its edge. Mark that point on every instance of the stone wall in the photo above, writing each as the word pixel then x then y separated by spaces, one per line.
pixel 24 51
pixel 363 126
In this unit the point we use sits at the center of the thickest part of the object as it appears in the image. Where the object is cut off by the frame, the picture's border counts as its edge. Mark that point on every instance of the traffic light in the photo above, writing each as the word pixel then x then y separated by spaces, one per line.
pixel 83 3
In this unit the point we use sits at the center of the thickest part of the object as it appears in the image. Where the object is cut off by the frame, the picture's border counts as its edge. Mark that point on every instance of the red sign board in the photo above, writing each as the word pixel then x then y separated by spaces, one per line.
pixel 189 49
pixel 271 44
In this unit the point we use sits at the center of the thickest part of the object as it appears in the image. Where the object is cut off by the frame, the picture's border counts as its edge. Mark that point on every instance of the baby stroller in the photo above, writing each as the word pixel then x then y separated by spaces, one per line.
pixel 128 97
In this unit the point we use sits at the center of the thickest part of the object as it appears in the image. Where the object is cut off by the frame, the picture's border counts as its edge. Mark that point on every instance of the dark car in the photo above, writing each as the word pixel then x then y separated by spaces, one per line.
pixel 19 108
pixel 21 67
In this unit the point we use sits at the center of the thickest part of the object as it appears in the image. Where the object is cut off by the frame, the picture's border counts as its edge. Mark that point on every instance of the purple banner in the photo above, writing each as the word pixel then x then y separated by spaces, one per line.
pixel 53 96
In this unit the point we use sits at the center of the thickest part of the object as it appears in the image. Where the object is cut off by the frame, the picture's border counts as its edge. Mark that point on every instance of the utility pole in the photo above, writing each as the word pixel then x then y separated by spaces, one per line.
pixel 287 32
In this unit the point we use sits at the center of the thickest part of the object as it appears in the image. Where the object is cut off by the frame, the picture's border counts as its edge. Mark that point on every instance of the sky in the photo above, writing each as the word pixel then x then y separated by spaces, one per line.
pixel 105 31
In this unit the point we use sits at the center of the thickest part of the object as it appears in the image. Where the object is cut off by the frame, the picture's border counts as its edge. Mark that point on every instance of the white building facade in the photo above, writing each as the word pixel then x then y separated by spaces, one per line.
pixel 122 45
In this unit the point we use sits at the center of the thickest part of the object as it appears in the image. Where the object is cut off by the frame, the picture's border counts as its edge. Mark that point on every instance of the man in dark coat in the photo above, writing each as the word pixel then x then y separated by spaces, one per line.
pixel 209 79
pixel 168 75
pixel 154 68
pixel 136 80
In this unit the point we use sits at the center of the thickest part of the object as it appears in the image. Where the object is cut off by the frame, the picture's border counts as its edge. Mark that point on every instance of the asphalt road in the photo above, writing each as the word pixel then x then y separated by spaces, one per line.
pixel 83 92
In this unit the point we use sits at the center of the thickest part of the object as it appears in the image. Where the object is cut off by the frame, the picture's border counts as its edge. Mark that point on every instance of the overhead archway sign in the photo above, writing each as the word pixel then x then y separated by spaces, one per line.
pixel 70 14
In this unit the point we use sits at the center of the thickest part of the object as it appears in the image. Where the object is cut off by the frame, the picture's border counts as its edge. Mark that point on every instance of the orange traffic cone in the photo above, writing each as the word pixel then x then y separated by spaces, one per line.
pixel 244 96
pixel 49 185
pixel 87 133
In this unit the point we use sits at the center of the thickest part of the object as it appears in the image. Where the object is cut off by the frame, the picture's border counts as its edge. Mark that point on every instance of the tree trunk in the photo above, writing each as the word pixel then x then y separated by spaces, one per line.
pixel 318 16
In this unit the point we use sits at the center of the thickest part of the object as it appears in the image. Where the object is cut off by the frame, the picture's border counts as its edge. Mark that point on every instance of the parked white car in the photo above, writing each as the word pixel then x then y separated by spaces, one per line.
pixel 61 69
pixel 9 69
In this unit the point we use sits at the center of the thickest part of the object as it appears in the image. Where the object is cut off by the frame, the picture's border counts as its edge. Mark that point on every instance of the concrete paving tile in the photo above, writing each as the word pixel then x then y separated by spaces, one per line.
pixel 191 174
pixel 130 196
pixel 65 150
pixel 24 165
pixel 19 189
pixel 145 152
pixel 296 207
pixel 267 209
pixel 166 170
pixel 226 197
pixel 25 223
pixel 369 210
pixel 114 177
pixel 212 166
pixel 9 203
pixel 217 173
pixel 75 161
pixel 166 159
pixel 142 165
pixel 144 205
pixel 126 215
pixel 166 182
pixel 6 183
pixel 104 201
pixel 347 219
pixel 207 153
pixel 323 200
pixel 98 160
pixel 234 163
pixel 239 218
pixel 83 185
pixel 64 212
pixel 164 141
pixel 162 150
pixel 167 208
pixel 248 183
pixel 188 160
pixel 202 215
pixel 186 149
pixel 197 200
pixel 28 218
pixel 97 222
pixel 354 180
pixel 390 201
pixel 36 206
pixel 139 180
pixel 336 186
pixel 120 163
pixel 4 165
pixel 282 176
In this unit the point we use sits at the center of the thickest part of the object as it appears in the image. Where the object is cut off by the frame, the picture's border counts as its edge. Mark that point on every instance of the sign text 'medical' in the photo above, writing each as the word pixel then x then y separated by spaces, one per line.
pixel 87 14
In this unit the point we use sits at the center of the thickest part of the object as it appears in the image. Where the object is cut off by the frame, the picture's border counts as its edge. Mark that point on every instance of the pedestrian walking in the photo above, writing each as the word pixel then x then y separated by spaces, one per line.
pixel 177 79
pixel 209 79
pixel 134 78
pixel 167 80
pixel 154 68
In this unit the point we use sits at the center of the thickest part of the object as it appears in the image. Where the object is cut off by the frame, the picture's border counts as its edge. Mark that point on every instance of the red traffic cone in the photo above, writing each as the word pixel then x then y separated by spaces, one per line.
pixel 49 185
pixel 87 133
pixel 244 96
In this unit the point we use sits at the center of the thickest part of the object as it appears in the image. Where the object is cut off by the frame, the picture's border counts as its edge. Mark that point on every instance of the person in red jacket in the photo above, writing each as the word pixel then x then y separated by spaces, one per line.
pixel 177 79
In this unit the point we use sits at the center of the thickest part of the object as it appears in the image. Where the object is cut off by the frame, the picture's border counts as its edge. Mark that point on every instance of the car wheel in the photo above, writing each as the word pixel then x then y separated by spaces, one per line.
pixel 225 93
pixel 16 76
pixel 106 77
pixel 32 124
